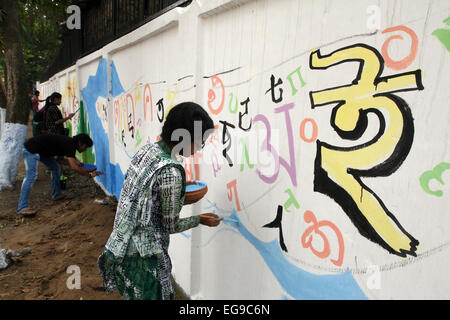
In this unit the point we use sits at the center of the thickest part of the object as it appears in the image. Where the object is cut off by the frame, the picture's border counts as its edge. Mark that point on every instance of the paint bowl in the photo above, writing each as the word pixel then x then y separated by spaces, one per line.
pixel 89 166
pixel 195 190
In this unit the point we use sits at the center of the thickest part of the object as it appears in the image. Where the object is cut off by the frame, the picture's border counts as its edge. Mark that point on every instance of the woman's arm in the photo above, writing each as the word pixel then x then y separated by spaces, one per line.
pixel 61 121
pixel 170 188
pixel 74 164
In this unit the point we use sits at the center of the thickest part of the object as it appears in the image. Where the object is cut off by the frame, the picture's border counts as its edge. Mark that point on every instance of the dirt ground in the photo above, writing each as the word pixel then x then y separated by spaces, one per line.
pixel 62 234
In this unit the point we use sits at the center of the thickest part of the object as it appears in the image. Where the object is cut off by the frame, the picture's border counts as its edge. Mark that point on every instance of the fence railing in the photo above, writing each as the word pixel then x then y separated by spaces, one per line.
pixel 103 21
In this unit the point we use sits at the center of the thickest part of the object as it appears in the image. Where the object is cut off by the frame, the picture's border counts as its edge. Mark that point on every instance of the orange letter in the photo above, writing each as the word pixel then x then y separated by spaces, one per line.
pixel 215 80
pixel 230 186
pixel 147 100
pixel 402 64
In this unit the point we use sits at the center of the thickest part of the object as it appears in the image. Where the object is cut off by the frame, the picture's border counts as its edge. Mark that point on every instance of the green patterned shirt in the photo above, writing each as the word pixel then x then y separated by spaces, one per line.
pixel 148 211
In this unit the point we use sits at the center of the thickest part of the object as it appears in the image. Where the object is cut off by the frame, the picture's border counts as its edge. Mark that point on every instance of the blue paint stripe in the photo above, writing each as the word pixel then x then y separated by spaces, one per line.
pixel 298 283
pixel 97 87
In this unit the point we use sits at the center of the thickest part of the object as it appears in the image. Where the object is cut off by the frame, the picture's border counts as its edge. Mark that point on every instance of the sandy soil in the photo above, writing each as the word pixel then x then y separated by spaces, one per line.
pixel 62 234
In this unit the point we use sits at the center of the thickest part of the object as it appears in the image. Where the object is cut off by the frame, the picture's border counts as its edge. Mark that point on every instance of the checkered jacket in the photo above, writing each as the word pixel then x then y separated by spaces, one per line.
pixel 149 205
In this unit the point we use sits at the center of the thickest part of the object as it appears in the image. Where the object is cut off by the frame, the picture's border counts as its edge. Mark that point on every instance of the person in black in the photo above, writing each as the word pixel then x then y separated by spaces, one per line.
pixel 44 148
pixel 53 119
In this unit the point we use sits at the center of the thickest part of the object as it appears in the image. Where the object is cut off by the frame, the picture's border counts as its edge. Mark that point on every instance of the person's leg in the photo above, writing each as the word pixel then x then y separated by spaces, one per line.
pixel 55 169
pixel 31 162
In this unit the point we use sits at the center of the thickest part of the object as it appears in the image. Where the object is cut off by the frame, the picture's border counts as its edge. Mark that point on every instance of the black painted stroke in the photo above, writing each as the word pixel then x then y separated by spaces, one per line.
pixel 324 184
pixel 277 224
pixel 220 73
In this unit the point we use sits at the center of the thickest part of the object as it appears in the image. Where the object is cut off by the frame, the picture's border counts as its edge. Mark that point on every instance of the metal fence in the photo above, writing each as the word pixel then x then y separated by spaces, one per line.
pixel 103 21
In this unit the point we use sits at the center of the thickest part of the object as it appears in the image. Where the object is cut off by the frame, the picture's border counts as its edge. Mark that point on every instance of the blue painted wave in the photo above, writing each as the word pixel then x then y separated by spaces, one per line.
pixel 96 87
pixel 300 284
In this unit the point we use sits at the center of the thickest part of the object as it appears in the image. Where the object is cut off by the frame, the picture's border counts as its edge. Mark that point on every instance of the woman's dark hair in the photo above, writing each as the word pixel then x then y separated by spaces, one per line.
pixel 50 98
pixel 48 103
pixel 83 138
pixel 183 116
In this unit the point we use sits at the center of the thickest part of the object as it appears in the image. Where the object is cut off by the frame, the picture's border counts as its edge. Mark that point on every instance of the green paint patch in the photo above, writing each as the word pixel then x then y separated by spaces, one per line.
pixel 83 127
pixel 435 174
pixel 443 35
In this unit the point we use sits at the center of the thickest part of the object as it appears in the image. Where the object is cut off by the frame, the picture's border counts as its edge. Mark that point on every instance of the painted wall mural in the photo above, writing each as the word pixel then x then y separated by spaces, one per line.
pixel 330 156
pixel 70 103
pixel 338 170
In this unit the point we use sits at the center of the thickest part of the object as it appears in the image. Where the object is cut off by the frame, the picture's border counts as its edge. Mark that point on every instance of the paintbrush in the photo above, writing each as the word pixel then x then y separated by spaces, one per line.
pixel 226 219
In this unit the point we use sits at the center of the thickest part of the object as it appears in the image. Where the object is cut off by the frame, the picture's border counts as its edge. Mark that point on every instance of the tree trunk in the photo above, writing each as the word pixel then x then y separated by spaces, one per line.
pixel 17 110
pixel 2 106
pixel 2 94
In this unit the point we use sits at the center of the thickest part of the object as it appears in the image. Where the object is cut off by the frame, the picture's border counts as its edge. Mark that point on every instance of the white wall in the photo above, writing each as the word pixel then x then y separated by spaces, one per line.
pixel 377 233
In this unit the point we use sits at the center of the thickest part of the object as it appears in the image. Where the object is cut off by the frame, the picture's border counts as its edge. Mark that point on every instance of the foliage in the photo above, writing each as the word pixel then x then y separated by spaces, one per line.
pixel 42 26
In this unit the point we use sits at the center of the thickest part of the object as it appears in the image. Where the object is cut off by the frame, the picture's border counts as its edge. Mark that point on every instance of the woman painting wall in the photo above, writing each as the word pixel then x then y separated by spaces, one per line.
pixel 135 259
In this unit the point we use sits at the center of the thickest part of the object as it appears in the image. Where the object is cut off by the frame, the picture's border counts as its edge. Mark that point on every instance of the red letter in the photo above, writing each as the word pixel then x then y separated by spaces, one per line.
pixel 232 186
pixel 402 64
pixel 147 100
pixel 310 217
pixel 215 80
pixel 302 130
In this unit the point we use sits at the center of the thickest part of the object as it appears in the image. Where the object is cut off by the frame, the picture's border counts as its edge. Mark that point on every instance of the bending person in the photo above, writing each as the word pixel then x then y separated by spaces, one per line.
pixel 44 148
